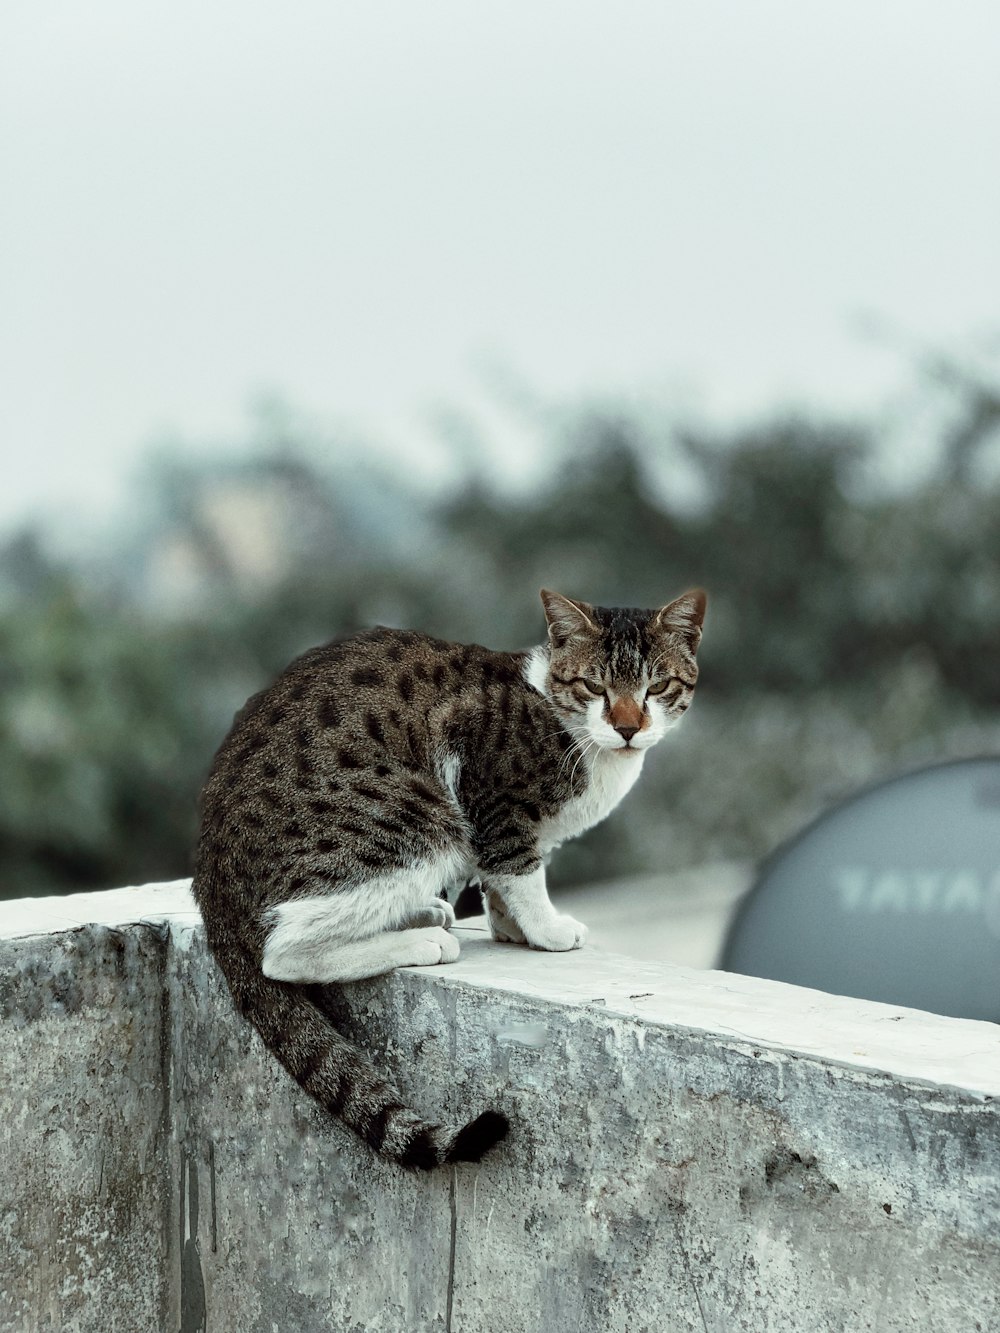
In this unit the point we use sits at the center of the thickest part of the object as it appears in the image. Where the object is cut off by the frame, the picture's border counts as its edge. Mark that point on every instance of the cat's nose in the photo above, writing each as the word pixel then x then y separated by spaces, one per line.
pixel 627 732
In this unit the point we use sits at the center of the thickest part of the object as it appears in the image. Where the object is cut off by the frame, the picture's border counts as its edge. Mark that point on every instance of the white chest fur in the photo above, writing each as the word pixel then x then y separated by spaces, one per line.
pixel 611 776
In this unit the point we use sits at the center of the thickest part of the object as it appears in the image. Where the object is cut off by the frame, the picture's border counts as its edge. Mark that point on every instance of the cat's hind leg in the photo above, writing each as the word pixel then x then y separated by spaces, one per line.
pixel 361 929
pixel 438 912
pixel 306 959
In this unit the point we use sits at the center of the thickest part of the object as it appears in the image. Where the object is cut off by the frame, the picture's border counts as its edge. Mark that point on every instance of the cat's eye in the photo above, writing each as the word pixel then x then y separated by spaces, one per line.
pixel 661 686
pixel 592 686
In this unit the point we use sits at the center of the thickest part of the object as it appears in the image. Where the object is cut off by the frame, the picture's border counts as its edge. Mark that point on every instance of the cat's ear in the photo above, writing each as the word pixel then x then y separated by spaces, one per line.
pixel 683 616
pixel 567 619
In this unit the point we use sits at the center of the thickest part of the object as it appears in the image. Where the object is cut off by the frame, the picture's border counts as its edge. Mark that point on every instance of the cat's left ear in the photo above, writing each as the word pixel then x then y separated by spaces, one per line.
pixel 684 616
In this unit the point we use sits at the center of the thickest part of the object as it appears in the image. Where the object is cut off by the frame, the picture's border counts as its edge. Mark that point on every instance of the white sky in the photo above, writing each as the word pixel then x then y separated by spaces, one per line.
pixel 357 204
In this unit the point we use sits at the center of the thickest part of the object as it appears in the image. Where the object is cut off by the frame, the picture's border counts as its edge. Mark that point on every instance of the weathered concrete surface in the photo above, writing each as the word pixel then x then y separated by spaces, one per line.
pixel 688 1152
pixel 84 1131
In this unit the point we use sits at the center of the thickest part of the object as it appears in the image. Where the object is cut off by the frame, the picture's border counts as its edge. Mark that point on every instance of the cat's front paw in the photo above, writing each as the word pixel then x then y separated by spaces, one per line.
pixel 558 934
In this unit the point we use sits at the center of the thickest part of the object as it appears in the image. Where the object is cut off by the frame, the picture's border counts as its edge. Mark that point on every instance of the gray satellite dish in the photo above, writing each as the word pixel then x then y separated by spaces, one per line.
pixel 894 896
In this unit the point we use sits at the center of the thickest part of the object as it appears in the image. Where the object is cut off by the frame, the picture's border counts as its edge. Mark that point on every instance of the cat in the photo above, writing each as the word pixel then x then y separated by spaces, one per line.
pixel 378 770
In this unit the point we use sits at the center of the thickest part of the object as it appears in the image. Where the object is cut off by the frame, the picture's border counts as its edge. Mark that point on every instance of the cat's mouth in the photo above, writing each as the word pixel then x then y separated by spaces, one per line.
pixel 626 748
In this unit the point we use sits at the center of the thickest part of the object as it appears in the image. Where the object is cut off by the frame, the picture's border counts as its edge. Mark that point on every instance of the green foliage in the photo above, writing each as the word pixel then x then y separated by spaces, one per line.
pixel 850 630
pixel 101 743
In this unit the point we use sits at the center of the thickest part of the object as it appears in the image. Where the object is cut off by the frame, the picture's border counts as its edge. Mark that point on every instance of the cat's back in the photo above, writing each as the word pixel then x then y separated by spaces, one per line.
pixel 375 701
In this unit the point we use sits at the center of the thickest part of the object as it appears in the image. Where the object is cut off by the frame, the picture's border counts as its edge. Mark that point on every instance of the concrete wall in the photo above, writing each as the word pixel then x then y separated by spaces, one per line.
pixel 689 1151
pixel 85 1135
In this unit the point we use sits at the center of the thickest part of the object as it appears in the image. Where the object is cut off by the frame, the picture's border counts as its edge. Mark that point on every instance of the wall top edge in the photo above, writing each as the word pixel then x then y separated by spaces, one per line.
pixel 782 1021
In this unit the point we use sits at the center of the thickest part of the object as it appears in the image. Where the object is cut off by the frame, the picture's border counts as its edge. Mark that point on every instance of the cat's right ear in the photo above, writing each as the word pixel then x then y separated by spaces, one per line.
pixel 684 616
pixel 567 619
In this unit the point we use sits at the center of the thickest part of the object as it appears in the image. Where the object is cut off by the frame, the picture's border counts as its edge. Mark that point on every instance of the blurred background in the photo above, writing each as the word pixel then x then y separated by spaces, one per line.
pixel 321 316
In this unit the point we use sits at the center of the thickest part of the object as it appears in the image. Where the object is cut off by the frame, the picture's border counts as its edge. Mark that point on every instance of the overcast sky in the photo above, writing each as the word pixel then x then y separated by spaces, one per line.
pixel 357 205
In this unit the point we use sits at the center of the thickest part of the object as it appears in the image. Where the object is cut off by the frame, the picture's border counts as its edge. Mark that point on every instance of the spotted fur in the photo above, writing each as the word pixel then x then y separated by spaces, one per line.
pixel 376 772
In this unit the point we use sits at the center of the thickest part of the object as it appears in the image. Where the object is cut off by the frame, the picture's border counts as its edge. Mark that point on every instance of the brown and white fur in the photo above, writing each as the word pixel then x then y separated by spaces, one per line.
pixel 379 770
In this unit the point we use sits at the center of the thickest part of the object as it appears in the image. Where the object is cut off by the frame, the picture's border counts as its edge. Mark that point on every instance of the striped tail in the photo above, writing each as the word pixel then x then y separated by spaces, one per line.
pixel 336 1073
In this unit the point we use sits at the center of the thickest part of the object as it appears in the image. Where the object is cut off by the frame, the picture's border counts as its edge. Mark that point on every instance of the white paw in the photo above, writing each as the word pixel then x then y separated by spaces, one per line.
pixel 428 946
pixel 438 912
pixel 557 934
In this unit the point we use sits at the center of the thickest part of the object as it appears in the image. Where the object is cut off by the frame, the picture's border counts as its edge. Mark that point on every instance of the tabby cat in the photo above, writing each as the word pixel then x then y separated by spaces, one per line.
pixel 380 770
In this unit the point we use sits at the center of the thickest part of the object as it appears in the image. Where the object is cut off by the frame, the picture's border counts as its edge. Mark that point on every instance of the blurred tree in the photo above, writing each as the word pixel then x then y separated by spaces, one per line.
pixel 770 542
pixel 102 731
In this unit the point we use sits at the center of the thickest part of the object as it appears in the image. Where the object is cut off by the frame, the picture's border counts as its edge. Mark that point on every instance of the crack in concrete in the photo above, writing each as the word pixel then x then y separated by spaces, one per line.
pixel 194 1313
pixel 909 1129
pixel 687 1269
pixel 451 1251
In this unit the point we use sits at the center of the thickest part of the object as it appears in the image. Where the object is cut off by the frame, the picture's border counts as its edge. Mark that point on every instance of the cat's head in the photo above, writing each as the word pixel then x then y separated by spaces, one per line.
pixel 621 677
